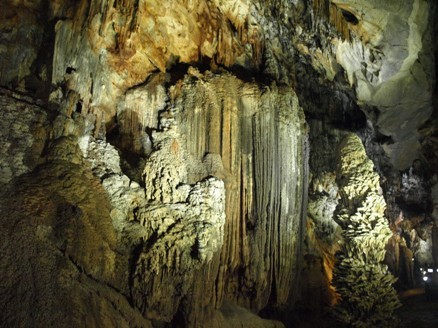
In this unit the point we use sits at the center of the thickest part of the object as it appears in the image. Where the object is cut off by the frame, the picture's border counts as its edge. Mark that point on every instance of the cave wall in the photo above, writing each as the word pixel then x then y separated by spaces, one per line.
pixel 197 213
pixel 181 238
pixel 157 157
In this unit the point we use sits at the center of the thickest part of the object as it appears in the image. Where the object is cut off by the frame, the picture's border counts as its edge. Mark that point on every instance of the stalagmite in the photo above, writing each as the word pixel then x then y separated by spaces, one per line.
pixel 360 277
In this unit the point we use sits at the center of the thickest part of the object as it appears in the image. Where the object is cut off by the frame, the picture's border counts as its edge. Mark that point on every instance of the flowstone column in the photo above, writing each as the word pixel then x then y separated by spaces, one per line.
pixel 363 282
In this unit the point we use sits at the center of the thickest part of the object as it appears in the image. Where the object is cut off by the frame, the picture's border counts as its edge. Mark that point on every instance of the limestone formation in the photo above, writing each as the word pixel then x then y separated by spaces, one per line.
pixel 156 157
pixel 23 131
pixel 391 69
pixel 361 279
pixel 63 269
pixel 171 228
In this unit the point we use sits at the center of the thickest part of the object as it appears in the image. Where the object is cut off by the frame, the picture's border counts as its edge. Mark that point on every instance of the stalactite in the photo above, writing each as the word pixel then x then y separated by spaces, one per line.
pixel 259 137
pixel 327 11
pixel 321 8
pixel 338 21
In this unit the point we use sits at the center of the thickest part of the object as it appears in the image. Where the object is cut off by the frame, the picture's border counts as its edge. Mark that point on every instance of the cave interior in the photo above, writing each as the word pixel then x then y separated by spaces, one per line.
pixel 218 163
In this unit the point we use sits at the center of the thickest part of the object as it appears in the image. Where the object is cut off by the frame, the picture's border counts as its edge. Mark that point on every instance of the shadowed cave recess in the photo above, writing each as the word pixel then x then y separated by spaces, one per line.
pixel 218 163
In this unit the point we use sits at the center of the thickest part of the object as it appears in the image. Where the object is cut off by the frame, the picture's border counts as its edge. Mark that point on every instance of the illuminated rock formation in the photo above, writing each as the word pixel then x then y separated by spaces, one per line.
pixel 155 156
pixel 360 276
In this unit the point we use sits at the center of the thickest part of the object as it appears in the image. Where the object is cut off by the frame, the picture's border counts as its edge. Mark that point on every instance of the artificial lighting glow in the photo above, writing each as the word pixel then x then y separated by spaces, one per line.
pixel 412 259
pixel 425 278
pixel 424 272
pixel 421 269
pixel 430 270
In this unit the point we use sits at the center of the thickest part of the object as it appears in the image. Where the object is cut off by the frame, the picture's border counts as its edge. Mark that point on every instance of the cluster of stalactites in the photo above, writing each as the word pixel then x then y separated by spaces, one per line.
pixel 326 10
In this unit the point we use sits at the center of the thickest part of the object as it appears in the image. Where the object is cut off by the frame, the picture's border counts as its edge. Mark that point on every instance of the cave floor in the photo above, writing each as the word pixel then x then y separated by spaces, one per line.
pixel 417 311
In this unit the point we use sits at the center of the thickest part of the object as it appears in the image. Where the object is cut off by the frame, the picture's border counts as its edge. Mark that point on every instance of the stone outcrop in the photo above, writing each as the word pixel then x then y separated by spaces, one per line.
pixel 60 264
pixel 254 140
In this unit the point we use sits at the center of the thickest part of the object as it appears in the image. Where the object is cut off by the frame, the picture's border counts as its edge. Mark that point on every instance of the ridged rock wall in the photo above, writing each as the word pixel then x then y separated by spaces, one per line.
pixel 23 132
pixel 214 220
pixel 61 263
pixel 254 138
pixel 104 48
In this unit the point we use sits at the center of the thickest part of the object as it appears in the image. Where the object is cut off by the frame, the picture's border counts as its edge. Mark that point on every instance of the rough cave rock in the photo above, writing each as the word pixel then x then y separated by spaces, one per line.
pixel 176 163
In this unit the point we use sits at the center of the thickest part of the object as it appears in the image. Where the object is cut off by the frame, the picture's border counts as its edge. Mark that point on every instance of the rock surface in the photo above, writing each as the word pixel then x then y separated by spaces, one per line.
pixel 367 298
pixel 156 155
pixel 23 132
pixel 64 268
pixel 169 229
pixel 392 71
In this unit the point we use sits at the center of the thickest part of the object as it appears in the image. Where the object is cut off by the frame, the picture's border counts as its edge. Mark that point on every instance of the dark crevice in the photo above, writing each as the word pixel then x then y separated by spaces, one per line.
pixel 70 70
pixel 194 251
pixel 383 139
pixel 78 107
pixel 330 104
pixel 131 162
pixel 179 319
pixel 177 71
pixel 251 75
pixel 232 28
pixel 134 16
pixel 350 17
pixel 411 208
pixel 39 80
pixel 133 261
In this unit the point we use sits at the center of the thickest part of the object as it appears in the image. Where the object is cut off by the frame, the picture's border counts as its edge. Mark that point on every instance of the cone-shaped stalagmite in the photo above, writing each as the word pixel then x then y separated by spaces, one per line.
pixel 360 277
